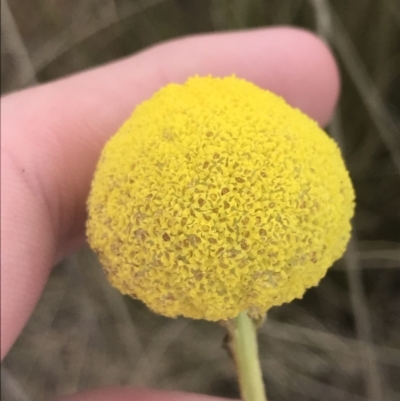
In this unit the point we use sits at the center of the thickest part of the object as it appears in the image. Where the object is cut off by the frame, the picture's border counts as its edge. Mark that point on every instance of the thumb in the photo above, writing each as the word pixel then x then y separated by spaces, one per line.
pixel 135 394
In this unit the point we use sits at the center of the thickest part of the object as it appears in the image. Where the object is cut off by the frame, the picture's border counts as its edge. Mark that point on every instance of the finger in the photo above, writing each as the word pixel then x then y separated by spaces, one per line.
pixel 53 134
pixel 69 121
pixel 130 394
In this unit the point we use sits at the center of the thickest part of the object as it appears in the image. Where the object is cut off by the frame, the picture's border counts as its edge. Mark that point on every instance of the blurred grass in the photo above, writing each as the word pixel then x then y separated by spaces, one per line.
pixel 342 341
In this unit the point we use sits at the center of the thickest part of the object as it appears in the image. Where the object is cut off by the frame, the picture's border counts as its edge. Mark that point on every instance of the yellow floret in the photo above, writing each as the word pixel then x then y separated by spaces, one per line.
pixel 216 196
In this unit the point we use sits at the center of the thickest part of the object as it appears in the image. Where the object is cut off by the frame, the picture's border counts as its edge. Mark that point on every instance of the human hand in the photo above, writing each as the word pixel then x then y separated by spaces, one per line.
pixel 53 135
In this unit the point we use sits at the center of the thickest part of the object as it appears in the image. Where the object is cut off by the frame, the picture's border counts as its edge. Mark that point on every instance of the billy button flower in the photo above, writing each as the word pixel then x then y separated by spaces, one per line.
pixel 217 197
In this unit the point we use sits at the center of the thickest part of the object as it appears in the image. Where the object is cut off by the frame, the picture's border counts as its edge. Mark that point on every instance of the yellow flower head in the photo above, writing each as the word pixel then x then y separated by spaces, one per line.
pixel 216 196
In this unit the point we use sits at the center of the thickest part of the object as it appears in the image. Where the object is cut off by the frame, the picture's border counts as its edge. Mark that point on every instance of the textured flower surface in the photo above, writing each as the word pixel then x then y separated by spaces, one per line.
pixel 215 197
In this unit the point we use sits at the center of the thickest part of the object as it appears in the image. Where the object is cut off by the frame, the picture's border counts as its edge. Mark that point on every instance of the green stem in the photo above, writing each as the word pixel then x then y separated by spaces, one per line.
pixel 244 347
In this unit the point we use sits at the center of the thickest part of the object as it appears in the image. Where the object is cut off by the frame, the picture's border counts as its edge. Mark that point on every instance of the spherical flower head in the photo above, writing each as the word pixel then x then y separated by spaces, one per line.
pixel 216 197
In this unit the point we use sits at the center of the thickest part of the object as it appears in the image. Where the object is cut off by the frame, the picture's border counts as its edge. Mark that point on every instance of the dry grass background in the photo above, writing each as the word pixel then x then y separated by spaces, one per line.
pixel 342 341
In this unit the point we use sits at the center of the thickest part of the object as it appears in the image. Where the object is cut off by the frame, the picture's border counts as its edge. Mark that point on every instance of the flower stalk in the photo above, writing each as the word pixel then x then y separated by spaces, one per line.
pixel 243 345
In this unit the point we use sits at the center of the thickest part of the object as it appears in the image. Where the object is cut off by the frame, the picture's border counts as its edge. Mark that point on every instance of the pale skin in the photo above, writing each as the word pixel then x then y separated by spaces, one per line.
pixel 52 136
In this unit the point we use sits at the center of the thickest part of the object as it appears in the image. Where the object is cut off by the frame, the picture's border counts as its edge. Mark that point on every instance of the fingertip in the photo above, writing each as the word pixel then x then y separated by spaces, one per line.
pixel 292 62
pixel 135 394
pixel 318 79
